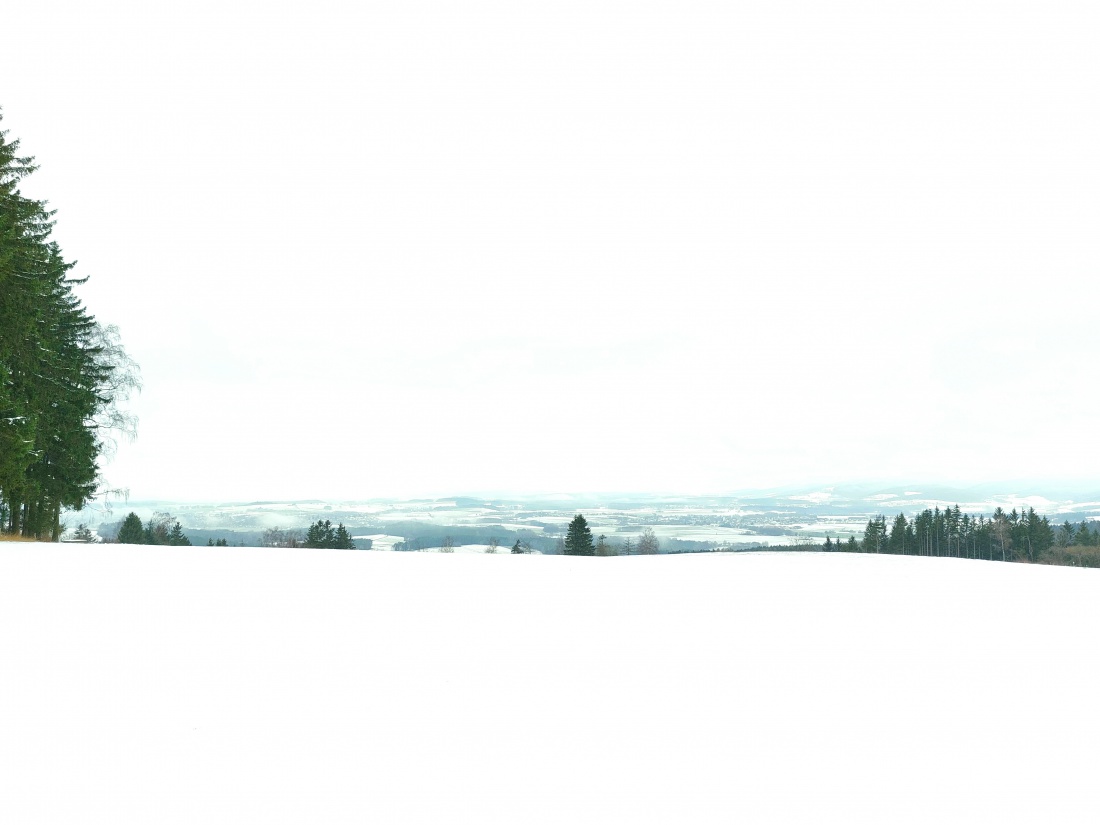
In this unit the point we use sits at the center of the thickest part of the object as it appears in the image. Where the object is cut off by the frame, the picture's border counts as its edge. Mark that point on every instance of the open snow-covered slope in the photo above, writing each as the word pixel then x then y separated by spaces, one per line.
pixel 186 685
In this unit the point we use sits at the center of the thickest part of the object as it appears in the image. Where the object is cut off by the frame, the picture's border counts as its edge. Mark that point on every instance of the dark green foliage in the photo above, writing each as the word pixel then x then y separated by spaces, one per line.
pixel 61 372
pixel 323 534
pixel 578 540
pixel 320 534
pixel 1007 536
pixel 160 529
pixel 131 531
pixel 1086 537
pixel 176 538
pixel 874 536
pixel 343 539
pixel 1075 556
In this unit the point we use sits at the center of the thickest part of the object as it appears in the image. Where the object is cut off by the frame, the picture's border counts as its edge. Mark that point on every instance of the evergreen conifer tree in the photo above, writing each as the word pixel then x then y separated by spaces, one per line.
pixel 60 371
pixel 578 539
pixel 321 534
pixel 1084 535
pixel 131 531
pixel 176 537
pixel 342 539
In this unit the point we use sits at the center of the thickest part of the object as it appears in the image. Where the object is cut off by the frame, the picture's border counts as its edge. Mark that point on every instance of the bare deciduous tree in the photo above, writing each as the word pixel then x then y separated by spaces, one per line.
pixel 273 537
pixel 648 544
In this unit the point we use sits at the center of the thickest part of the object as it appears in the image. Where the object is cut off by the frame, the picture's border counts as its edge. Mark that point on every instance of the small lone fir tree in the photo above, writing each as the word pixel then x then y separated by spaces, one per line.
pixel 578 541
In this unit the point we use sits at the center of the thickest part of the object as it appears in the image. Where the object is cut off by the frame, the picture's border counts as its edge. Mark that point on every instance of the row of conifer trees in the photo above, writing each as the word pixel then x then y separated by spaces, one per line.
pixel 160 529
pixel 1014 536
pixel 61 372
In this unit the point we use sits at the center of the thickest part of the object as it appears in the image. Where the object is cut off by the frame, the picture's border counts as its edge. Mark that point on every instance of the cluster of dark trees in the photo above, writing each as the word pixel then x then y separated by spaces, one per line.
pixel 1013 536
pixel 160 529
pixel 62 374
pixel 323 534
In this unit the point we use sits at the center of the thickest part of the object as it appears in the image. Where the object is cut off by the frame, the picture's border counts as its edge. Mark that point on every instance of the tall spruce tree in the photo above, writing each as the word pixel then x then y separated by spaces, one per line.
pixel 60 379
pixel 578 539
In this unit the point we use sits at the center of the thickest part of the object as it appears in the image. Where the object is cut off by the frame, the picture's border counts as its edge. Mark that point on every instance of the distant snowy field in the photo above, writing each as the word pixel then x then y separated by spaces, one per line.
pixel 229 685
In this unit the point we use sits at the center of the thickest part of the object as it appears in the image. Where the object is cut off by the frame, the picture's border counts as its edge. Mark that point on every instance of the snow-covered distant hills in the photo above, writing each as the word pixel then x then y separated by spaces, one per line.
pixel 682 522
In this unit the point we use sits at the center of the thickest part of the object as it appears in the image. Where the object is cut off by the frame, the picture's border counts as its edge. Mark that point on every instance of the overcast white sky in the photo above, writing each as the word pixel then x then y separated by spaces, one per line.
pixel 420 248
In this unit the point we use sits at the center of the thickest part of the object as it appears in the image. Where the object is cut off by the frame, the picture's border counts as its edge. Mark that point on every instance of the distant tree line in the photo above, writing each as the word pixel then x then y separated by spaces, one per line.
pixel 1013 536
pixel 321 534
pixel 62 374
pixel 159 529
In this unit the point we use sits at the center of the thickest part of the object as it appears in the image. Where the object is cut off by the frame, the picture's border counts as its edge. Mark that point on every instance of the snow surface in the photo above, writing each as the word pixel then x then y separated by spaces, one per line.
pixel 235 685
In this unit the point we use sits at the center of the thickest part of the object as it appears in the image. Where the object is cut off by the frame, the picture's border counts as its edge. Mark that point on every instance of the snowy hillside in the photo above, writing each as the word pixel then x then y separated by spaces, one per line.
pixel 187 685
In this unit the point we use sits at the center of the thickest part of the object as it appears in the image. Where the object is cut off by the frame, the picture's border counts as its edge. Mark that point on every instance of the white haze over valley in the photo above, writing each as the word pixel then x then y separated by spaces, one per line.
pixel 419 249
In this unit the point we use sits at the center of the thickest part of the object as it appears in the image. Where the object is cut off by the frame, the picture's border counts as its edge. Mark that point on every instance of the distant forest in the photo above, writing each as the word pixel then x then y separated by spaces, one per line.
pixel 1013 536
pixel 61 372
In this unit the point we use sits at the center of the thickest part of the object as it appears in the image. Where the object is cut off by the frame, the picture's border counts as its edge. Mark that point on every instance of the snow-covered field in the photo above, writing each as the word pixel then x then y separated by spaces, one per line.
pixel 228 685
